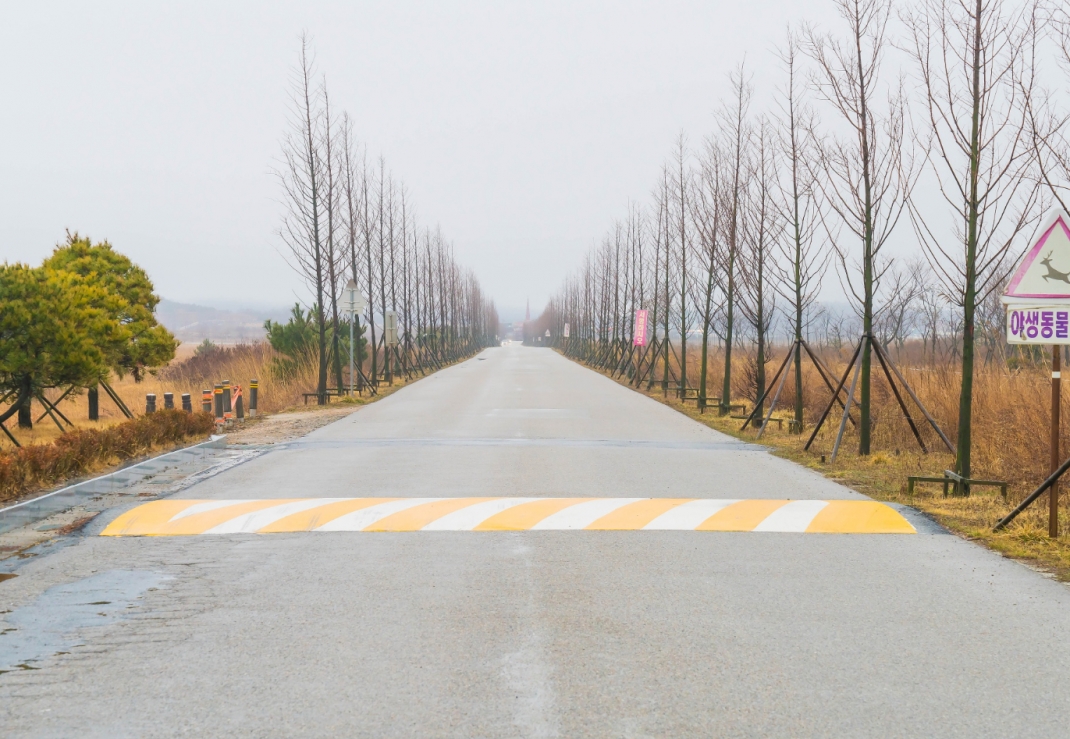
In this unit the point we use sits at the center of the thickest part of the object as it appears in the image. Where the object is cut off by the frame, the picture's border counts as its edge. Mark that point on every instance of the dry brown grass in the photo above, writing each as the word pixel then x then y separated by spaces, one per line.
pixel 36 466
pixel 1012 414
pixel 186 374
pixel 192 374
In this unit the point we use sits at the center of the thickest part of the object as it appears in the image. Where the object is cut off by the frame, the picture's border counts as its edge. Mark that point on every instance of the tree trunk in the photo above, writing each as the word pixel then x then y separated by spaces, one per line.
pixel 25 415
pixel 962 461
pixel 730 299
pixel 867 268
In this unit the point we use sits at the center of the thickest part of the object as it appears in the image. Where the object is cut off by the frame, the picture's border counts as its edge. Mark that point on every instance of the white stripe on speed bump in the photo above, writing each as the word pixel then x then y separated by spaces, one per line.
pixel 249 523
pixel 365 517
pixel 686 516
pixel 582 515
pixel 468 518
pixel 210 505
pixel 793 517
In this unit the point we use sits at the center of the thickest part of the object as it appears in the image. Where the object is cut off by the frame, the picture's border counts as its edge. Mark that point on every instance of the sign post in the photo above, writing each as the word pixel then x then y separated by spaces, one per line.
pixel 1038 312
pixel 390 340
pixel 1053 495
pixel 354 305
pixel 566 331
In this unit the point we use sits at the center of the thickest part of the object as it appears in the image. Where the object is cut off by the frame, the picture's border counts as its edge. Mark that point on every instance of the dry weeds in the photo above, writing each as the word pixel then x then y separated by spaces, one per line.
pixel 282 413
pixel 1010 433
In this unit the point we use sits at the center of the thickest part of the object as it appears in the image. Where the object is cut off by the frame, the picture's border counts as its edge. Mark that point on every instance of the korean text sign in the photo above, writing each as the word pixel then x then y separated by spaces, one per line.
pixel 640 328
pixel 1038 324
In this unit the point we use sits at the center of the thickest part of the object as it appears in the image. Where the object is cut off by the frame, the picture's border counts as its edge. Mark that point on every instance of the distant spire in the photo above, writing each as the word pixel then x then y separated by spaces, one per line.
pixel 527 312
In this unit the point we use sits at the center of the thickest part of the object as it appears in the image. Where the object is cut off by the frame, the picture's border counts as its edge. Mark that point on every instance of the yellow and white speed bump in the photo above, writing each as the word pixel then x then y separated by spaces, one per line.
pixel 189 517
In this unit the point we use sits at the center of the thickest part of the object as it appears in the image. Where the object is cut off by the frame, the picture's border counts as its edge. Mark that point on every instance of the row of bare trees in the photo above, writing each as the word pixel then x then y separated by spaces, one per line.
pixel 962 149
pixel 345 220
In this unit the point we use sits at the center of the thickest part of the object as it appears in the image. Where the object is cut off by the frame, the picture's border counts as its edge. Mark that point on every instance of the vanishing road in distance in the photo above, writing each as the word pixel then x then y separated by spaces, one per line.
pixel 517 546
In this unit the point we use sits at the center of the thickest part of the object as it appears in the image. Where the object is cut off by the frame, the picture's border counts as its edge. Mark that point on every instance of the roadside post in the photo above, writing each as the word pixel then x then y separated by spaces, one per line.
pixel 187 403
pixel 218 405
pixel 206 401
pixel 169 401
pixel 150 402
pixel 254 385
pixel 390 340
pixel 354 305
pixel 239 407
pixel 1038 312
pixel 1056 383
pixel 228 408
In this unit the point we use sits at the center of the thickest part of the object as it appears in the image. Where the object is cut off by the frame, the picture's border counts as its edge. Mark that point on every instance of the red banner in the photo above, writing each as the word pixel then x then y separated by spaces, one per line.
pixel 640 328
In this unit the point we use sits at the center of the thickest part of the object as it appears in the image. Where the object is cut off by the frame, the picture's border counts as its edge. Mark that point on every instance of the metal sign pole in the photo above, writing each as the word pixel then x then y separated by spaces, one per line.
pixel 355 305
pixel 1053 494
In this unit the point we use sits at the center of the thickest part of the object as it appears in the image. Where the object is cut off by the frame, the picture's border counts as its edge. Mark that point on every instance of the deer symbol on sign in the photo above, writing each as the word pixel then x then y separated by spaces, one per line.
pixel 1054 274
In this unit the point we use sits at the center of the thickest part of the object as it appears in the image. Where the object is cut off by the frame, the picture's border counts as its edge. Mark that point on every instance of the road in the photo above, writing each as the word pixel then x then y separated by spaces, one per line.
pixel 556 633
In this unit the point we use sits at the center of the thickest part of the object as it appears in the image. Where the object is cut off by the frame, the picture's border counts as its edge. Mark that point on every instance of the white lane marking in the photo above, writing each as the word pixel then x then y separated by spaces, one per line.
pixel 582 515
pixel 471 516
pixel 231 459
pixel 687 516
pixel 210 505
pixel 793 517
pixel 365 517
pixel 250 523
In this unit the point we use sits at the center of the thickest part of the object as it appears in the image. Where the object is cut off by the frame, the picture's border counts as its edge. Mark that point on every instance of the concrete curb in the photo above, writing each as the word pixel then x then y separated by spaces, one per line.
pixel 35 509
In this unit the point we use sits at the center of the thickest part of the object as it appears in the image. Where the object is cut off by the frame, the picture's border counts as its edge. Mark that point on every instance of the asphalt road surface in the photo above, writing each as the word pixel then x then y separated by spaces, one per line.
pixel 540 633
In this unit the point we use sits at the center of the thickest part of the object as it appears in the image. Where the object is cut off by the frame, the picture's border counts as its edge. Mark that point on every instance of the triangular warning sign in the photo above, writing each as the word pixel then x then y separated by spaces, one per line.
pixel 1045 269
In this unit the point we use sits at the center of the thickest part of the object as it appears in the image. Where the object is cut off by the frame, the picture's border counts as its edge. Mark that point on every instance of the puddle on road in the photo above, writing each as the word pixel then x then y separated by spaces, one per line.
pixel 51 624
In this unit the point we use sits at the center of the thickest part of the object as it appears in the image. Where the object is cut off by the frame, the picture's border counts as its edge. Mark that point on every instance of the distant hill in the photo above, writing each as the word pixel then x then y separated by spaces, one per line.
pixel 195 323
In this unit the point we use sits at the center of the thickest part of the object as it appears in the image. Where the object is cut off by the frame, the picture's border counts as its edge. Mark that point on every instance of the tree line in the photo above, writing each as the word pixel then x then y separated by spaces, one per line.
pixel 348 219
pixel 745 228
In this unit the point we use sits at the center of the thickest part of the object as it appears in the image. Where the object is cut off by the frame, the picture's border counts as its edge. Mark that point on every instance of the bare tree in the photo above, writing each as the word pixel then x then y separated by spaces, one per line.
pixel 708 207
pixel 301 175
pixel 333 253
pixel 868 174
pixel 680 198
pixel 385 204
pixel 762 228
pixel 663 240
pixel 351 193
pixel 1049 124
pixel 899 316
pixel 736 131
pixel 973 60
pixel 803 257
pixel 341 218
pixel 932 305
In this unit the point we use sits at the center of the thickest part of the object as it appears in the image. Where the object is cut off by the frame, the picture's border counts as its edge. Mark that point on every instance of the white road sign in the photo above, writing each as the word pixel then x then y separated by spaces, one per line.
pixel 390 327
pixel 1038 295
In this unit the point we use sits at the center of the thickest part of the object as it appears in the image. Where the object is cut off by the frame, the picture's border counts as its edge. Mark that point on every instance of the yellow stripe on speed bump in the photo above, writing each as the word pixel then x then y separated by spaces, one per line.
pixel 190 517
pixel 742 516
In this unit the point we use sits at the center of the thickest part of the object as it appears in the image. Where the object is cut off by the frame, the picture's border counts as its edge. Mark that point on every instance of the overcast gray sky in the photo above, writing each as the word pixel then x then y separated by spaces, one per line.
pixel 522 129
